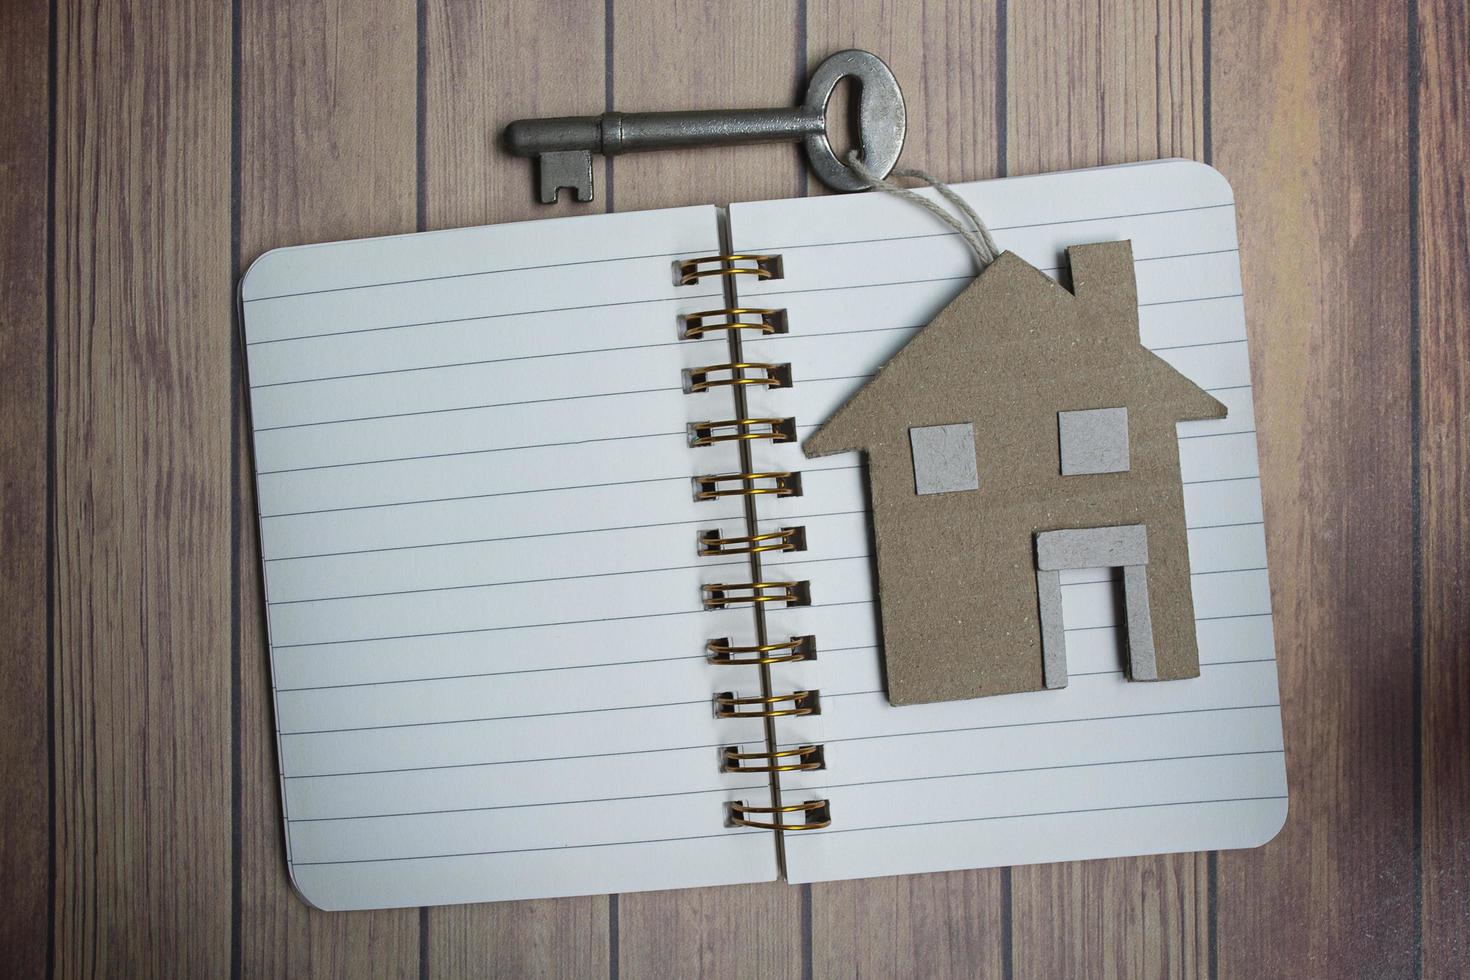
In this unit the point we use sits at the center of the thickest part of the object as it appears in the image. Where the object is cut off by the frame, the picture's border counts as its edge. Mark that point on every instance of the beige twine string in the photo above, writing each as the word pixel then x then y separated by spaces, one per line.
pixel 977 238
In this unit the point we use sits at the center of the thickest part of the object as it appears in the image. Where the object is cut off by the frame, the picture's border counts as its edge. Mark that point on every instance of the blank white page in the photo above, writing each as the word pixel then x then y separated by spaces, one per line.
pixel 1103 767
pixel 479 530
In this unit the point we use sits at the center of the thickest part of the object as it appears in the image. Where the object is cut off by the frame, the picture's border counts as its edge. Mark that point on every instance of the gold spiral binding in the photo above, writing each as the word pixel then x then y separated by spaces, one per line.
pixel 711 545
pixel 798 648
pixel 720 595
pixel 806 759
pixel 709 433
pixel 817 813
pixel 770 375
pixel 711 486
pixel 729 705
pixel 740 375
pixel 763 267
pixel 693 326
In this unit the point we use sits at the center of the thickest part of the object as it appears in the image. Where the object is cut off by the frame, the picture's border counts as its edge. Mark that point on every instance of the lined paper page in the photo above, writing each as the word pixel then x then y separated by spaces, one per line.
pixel 1104 767
pixel 479 535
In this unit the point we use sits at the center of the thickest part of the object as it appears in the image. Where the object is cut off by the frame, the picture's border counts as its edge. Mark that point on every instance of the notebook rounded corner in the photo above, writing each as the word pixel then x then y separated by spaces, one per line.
pixel 302 893
pixel 1273 830
pixel 1210 179
pixel 249 287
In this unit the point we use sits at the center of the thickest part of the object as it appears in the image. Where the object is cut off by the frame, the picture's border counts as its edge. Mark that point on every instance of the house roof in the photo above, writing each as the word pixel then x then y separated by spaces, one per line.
pixel 1011 324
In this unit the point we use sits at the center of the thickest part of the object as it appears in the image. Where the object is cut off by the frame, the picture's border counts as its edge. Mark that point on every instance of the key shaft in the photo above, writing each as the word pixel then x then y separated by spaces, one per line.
pixel 625 132
pixel 564 146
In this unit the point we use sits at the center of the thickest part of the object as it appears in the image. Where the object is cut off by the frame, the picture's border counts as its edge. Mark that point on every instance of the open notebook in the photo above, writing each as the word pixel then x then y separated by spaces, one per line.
pixel 480 516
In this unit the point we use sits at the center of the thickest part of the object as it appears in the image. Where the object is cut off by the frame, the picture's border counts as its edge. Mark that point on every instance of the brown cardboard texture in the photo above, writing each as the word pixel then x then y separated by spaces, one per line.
pixel 957 571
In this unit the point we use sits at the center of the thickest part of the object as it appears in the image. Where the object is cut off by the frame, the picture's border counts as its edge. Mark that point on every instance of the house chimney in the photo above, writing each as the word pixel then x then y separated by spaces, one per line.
pixel 1102 280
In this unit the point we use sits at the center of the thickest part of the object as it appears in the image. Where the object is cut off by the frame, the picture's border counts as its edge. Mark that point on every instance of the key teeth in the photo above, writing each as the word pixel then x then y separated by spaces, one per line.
pixel 571 169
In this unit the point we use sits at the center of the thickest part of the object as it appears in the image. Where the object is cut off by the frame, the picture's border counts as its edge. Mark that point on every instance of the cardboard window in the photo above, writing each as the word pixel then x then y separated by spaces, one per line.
pixel 1094 441
pixel 944 458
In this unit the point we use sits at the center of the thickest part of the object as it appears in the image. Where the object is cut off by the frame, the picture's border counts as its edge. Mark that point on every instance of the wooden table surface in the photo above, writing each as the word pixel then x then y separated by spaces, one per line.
pixel 152 149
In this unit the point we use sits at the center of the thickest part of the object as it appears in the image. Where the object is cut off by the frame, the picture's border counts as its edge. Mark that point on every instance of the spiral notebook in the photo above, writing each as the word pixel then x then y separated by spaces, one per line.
pixel 508 543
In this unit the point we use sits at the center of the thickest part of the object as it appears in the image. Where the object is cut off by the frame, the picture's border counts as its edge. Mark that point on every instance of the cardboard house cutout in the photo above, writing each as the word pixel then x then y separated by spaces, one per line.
pixel 1023 432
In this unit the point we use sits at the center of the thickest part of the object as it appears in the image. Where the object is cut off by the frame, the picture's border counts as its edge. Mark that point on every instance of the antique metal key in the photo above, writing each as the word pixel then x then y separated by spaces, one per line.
pixel 564 146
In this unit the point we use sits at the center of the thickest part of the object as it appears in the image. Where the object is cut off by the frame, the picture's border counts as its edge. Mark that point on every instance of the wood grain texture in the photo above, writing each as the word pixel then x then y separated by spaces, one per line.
pixel 935 925
pixel 1090 84
pixel 1310 123
pixel 733 931
pixel 676 54
pixel 327 150
pixel 943 55
pixel 1444 480
pixel 25 808
pixel 948 925
pixel 142 489
pixel 1127 917
pixel 486 65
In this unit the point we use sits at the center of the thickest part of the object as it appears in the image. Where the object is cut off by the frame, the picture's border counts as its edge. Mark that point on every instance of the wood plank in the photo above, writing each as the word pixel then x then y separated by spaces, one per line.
pixel 946 925
pixel 142 489
pixel 672 55
pixel 25 809
pixel 554 937
pixel 1090 84
pixel 935 925
pixel 944 62
pixel 729 931
pixel 1131 917
pixel 327 151
pixel 1444 481
pixel 1310 125
pixel 485 66
pixel 1101 83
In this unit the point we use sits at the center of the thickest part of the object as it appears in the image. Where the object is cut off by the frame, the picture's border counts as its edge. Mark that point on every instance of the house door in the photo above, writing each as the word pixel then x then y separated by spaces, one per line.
pixel 1123 546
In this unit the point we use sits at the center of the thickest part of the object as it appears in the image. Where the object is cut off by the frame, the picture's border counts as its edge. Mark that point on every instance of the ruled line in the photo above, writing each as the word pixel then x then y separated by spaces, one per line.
pixel 848 830
pixel 439 723
pixel 1207 343
pixel 710 745
pixel 684 433
pixel 470 408
pixel 532 850
pixel 610 664
pixel 517 493
pixel 464 275
pixel 1055 721
pixel 710 521
pixel 529 670
pixel 714 745
pixel 1043 813
pixel 696 611
pixel 484 361
pixel 484 316
pixel 673 568
pixel 489 718
pixel 539 804
pixel 994 228
pixel 551 578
